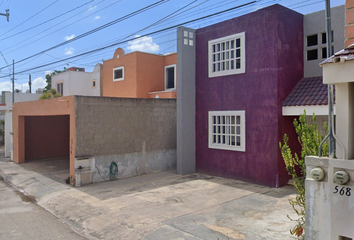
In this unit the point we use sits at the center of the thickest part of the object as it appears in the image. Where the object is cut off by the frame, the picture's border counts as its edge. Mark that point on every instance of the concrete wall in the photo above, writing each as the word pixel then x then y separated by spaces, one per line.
pixel 329 206
pixel 314 23
pixel 79 83
pixel 186 100
pixel 138 134
pixel 46 136
pixel 274 65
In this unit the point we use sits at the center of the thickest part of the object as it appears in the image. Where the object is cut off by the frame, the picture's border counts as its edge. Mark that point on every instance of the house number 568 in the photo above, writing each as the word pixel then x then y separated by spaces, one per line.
pixel 342 191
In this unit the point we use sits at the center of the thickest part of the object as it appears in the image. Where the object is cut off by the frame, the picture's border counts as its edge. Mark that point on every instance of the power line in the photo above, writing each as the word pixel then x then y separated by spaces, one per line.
pixel 60 15
pixel 15 45
pixel 125 41
pixel 32 16
pixel 97 29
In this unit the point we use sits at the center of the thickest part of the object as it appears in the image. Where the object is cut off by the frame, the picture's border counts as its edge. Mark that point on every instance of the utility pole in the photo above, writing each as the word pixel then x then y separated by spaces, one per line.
pixel 13 81
pixel 30 83
pixel 330 90
pixel 7 14
pixel 330 135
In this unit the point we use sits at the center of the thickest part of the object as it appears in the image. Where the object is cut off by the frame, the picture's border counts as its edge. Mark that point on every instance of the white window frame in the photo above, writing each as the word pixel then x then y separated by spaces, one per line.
pixel 227 61
pixel 62 88
pixel 230 131
pixel 118 79
pixel 170 66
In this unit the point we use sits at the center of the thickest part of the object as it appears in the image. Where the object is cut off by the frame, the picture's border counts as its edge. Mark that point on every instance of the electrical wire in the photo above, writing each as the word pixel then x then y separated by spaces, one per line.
pixel 32 16
pixel 98 28
pixel 152 33
pixel 54 18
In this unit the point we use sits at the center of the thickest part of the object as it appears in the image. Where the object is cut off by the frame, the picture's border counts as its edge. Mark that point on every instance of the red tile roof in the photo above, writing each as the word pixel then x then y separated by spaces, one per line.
pixel 309 91
pixel 346 54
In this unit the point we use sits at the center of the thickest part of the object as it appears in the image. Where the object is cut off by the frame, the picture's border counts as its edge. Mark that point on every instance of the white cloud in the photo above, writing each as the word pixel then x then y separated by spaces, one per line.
pixel 91 8
pixel 97 17
pixel 144 44
pixel 67 38
pixel 36 83
pixel 47 72
pixel 69 51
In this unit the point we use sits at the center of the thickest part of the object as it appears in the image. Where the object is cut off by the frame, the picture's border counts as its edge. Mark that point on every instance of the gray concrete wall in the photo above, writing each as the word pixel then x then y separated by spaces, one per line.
pixel 186 100
pixel 138 134
pixel 314 23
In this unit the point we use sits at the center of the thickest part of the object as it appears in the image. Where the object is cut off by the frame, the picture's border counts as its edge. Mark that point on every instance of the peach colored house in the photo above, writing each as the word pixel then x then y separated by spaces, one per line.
pixel 139 75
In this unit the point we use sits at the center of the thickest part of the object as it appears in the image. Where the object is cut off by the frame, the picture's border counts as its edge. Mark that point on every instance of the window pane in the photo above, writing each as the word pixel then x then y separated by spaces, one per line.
pixel 227 65
pixel 227 55
pixel 223 66
pixel 170 78
pixel 238 63
pixel 227 140
pixel 223 56
pixel 222 46
pixel 238 120
pixel 227 119
pixel 238 141
pixel 219 129
pixel 232 129
pixel 312 40
pixel 218 68
pixel 232 119
pixel 233 142
pixel 232 54
pixel 223 139
pixel 214 138
pixel 238 43
pixel 232 44
pixel 214 67
pixel 238 129
pixel 232 64
pixel 238 52
pixel 219 139
pixel 213 48
pixel 218 120
pixel 218 47
pixel 311 54
pixel 218 58
pixel 227 45
pixel 118 73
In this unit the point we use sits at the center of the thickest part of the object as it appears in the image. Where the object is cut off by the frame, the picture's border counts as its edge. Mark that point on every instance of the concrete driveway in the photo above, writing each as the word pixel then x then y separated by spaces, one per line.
pixel 162 206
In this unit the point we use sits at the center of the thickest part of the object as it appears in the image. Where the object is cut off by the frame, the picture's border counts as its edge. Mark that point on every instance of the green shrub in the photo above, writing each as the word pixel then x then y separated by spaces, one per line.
pixel 310 138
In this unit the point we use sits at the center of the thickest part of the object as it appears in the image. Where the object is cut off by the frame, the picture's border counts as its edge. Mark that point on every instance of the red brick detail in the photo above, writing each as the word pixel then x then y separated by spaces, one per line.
pixel 348 42
pixel 349 31
pixel 349 16
pixel 349 4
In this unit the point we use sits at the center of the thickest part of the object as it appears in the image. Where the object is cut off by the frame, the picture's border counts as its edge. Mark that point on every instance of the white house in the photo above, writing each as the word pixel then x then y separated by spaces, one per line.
pixel 6 110
pixel 75 81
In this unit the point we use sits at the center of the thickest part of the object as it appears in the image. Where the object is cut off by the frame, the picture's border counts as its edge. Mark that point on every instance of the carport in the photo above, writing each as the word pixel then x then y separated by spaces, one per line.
pixel 44 136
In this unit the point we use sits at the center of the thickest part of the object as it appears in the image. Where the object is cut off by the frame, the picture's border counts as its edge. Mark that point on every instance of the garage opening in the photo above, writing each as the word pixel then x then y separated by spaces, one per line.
pixel 47 145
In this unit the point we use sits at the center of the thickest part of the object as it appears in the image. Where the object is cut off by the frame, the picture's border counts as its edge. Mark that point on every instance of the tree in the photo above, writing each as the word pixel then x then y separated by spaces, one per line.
pixel 310 139
pixel 48 79
pixel 48 95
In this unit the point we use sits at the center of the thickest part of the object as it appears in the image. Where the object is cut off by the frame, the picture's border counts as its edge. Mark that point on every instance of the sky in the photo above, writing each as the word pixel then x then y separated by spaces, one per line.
pixel 37 27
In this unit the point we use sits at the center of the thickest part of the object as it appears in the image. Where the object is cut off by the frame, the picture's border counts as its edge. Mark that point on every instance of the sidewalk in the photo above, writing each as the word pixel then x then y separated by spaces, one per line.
pixel 161 206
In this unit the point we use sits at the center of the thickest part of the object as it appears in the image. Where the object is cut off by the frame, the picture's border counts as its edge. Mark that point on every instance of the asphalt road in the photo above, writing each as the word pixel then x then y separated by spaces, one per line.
pixel 22 218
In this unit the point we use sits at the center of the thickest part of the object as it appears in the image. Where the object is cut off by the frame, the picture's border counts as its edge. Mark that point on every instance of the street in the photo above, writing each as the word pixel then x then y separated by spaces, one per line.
pixel 22 218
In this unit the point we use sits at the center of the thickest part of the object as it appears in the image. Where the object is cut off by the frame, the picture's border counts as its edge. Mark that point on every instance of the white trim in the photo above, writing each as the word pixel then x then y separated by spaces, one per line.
pixel 298 110
pixel 174 67
pixel 242 69
pixel 118 79
pixel 242 135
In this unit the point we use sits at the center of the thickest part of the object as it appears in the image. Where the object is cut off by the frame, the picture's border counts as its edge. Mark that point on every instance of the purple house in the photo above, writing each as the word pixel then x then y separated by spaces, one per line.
pixel 233 77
